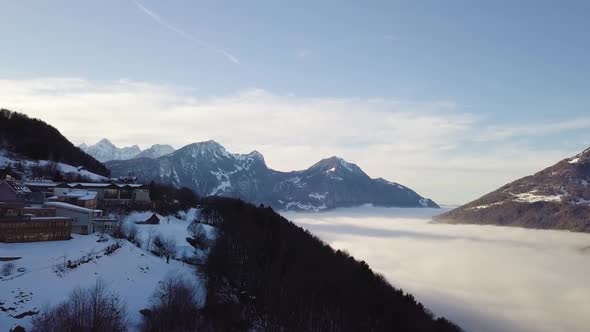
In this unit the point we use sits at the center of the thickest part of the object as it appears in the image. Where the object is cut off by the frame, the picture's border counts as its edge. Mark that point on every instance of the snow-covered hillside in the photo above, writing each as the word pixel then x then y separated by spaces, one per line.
pixel 131 272
pixel 26 166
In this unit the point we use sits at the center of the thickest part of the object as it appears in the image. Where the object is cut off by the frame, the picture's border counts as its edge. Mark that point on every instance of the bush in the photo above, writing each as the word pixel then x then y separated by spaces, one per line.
pixel 94 309
pixel 7 269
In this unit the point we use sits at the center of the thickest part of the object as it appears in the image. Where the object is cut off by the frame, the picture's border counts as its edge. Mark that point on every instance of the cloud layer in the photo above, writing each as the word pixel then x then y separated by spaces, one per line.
pixel 485 278
pixel 432 146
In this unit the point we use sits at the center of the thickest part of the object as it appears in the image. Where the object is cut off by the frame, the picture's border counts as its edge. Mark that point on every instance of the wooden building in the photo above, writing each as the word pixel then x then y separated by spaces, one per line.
pixel 18 226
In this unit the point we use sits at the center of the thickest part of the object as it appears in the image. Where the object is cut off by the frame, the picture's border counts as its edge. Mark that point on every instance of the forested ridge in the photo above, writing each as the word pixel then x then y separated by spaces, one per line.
pixel 38 140
pixel 289 280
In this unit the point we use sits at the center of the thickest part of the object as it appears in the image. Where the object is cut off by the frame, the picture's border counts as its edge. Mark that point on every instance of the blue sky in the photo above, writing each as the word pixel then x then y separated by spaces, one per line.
pixel 514 70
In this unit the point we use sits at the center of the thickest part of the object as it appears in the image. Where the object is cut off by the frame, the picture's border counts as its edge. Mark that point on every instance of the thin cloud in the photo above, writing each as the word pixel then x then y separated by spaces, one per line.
pixel 161 21
pixel 427 145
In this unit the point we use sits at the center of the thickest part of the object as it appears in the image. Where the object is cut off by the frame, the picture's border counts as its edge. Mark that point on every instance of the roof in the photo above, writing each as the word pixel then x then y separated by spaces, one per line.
pixel 17 186
pixel 12 205
pixel 70 206
pixel 50 218
pixel 79 194
pixel 83 185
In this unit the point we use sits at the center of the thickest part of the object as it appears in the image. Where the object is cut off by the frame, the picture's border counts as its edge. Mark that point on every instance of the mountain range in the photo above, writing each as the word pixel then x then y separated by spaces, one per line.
pixel 209 169
pixel 104 150
pixel 557 197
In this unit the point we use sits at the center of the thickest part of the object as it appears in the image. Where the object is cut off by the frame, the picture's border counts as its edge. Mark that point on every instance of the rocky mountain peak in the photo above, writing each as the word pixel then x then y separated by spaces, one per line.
pixel 106 142
pixel 336 164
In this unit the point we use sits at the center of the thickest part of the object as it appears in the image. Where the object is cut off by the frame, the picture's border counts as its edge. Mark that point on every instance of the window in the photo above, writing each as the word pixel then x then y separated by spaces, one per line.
pixel 111 193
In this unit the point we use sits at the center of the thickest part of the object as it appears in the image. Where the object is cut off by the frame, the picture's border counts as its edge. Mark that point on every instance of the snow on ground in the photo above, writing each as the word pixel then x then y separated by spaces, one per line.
pixel 130 272
pixel 531 197
pixel 170 226
pixel 479 207
pixel 7 160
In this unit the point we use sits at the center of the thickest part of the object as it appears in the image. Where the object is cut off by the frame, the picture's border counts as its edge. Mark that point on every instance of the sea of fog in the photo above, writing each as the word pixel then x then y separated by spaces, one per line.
pixel 484 278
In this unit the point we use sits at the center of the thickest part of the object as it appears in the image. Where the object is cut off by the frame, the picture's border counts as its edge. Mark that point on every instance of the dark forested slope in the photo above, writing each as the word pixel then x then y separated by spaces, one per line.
pixel 288 280
pixel 36 139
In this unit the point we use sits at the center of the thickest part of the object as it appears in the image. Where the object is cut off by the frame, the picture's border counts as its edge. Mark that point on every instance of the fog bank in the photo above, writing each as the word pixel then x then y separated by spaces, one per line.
pixel 484 278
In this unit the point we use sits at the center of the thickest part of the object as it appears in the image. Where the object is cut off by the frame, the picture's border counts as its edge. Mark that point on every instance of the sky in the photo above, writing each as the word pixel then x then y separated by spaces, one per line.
pixel 452 99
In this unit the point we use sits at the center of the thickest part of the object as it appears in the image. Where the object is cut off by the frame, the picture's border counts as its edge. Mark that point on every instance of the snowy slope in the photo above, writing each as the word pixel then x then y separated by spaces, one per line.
pixel 170 226
pixel 15 162
pixel 130 271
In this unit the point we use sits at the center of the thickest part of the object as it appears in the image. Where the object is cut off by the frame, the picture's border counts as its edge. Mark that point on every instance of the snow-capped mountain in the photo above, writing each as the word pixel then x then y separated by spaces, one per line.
pixel 557 197
pixel 209 169
pixel 104 150
pixel 155 151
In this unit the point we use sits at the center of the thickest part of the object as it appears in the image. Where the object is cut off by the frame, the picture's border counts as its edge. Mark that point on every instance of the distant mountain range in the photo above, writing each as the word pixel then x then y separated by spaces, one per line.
pixel 104 150
pixel 209 169
pixel 557 197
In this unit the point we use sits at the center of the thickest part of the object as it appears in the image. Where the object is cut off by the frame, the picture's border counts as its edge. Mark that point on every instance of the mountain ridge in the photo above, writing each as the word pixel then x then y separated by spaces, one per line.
pixel 209 169
pixel 557 197
pixel 104 150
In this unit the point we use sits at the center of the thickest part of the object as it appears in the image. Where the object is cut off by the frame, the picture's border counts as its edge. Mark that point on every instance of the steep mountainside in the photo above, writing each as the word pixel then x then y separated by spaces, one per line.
pixel 105 150
pixel 210 170
pixel 286 279
pixel 557 197
pixel 35 139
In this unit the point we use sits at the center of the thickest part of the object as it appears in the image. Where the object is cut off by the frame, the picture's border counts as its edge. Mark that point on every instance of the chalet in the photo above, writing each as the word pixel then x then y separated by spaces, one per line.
pixel 153 220
pixel 21 224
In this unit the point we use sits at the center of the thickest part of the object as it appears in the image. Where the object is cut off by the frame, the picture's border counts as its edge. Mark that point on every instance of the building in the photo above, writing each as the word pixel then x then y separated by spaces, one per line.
pixel 81 197
pixel 19 224
pixel 84 220
pixel 107 194
pixel 13 191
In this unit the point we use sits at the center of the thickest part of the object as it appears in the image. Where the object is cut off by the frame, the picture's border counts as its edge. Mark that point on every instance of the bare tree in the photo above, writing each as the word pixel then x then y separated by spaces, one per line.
pixel 150 238
pixel 165 246
pixel 131 233
pixel 173 307
pixel 92 309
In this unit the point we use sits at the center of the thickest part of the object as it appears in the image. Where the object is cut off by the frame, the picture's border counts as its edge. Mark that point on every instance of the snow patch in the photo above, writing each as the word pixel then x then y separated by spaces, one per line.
pixel 479 207
pixel 531 197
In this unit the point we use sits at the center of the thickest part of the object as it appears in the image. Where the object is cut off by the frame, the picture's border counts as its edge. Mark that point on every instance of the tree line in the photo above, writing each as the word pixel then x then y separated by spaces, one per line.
pixel 289 280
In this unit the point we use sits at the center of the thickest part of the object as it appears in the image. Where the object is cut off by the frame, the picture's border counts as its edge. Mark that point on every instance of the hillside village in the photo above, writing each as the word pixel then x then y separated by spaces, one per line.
pixel 46 210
